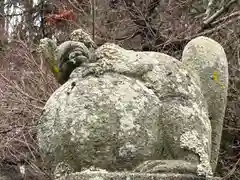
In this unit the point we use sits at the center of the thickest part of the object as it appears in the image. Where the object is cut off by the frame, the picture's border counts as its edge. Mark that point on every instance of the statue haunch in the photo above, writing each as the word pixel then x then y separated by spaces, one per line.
pixel 140 112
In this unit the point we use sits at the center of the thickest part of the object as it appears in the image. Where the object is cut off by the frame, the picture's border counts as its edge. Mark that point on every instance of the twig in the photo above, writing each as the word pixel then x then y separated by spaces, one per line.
pixel 231 128
pixel 143 20
pixel 204 33
pixel 230 16
pixel 151 7
pixel 208 10
pixel 232 170
pixel 21 91
pixel 42 19
pixel 218 13
pixel 128 37
pixel 93 20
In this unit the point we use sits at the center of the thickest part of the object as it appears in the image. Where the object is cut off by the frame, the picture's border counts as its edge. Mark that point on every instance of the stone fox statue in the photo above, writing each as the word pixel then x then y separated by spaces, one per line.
pixel 69 55
pixel 140 112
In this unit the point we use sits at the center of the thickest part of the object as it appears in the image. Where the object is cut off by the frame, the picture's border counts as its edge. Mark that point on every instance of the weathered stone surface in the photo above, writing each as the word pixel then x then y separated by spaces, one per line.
pixel 142 112
pixel 98 175
pixel 183 120
pixel 101 121
pixel 62 169
pixel 207 59
pixel 80 36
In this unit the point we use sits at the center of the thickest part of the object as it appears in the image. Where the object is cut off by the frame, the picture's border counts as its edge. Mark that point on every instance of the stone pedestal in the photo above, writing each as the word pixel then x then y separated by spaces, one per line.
pixel 90 175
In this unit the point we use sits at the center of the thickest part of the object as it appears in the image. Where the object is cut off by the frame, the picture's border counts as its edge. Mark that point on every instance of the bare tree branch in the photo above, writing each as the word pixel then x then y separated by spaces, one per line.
pixel 152 5
pixel 219 12
pixel 226 18
pixel 129 36
pixel 232 170
pixel 182 42
pixel 143 20
pixel 93 19
pixel 209 9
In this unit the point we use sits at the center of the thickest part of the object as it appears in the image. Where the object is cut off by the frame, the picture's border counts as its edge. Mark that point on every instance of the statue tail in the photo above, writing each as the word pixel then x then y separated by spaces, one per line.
pixel 207 59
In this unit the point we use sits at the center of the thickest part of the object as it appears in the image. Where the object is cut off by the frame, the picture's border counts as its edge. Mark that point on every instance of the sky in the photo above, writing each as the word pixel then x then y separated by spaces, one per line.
pixel 14 9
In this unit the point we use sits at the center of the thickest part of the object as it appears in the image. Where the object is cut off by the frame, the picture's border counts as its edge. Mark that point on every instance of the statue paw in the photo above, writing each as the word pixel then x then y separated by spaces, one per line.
pixel 92 69
pixel 167 166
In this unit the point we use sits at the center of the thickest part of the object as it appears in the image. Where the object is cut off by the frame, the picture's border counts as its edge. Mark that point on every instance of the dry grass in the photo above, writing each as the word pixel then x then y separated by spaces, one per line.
pixel 25 86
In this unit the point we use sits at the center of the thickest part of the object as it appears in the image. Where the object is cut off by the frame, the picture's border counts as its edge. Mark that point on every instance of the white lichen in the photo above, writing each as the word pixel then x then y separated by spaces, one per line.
pixel 196 143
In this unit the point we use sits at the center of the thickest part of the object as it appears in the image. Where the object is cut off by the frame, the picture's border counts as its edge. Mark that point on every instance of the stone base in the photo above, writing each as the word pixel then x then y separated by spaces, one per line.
pixel 95 175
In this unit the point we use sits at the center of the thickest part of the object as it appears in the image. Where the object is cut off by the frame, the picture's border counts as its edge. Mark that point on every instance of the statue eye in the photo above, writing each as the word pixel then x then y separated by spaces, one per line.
pixel 71 61
pixel 75 54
